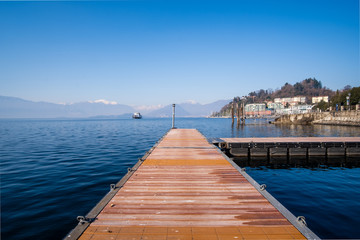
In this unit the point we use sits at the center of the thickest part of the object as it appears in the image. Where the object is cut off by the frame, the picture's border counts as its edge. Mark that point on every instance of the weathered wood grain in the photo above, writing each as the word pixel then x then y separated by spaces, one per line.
pixel 185 189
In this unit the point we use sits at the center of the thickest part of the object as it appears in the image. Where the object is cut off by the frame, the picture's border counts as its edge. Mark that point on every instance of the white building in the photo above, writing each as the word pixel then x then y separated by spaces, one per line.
pixel 305 108
pixel 319 99
pixel 256 109
pixel 275 107
pixel 299 99
pixel 291 101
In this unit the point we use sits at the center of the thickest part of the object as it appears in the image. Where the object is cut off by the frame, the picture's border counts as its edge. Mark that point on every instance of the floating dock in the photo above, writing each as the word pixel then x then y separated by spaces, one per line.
pixel 290 146
pixel 185 188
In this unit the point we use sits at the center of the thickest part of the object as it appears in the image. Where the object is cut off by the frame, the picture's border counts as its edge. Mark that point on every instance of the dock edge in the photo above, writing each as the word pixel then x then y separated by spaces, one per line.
pixel 90 216
pixel 310 235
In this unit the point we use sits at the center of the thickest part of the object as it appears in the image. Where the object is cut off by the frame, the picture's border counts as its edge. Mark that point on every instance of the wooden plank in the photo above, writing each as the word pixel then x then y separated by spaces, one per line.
pixel 186 189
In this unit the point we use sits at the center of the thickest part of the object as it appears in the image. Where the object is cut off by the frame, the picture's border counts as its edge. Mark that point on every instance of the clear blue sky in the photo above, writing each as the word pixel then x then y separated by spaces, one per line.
pixel 161 52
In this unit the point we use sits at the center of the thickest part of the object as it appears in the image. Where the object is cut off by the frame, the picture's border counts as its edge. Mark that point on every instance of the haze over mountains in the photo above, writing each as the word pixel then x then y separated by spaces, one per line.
pixel 12 107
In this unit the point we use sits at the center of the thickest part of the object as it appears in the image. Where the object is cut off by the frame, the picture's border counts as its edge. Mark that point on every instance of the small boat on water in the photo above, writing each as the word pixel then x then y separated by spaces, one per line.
pixel 137 115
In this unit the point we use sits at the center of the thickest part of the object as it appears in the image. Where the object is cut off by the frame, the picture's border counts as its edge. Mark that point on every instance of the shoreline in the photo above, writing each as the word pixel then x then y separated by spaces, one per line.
pixel 344 118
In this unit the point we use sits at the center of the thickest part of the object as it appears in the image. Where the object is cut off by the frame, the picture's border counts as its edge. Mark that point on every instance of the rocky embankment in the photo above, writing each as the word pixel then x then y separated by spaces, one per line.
pixel 346 118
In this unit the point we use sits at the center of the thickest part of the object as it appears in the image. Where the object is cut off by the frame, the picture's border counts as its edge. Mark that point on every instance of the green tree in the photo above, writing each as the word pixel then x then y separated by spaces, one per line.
pixel 298 89
pixel 355 95
pixel 340 97
pixel 322 105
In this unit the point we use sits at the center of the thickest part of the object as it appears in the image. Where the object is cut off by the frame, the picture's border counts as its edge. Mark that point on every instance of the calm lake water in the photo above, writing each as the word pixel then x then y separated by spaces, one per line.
pixel 55 170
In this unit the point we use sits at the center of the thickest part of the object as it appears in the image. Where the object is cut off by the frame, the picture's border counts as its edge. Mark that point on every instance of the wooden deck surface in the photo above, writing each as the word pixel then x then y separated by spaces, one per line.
pixel 186 190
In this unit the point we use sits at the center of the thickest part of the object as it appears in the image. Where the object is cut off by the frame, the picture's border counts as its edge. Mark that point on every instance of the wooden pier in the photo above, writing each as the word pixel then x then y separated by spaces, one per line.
pixel 185 188
pixel 290 146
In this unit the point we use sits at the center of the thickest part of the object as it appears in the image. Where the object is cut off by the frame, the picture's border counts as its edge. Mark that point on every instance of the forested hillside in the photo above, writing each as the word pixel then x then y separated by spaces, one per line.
pixel 309 87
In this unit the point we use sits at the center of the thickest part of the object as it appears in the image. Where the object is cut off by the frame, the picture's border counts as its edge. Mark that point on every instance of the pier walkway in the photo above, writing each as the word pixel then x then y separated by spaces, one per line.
pixel 290 146
pixel 186 189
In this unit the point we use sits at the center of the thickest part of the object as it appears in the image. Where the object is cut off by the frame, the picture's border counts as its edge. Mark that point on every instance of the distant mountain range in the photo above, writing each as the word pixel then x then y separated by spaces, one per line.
pixel 12 107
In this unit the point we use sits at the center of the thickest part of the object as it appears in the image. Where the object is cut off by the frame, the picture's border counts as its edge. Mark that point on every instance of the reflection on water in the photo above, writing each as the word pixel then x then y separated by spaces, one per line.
pixel 261 128
pixel 284 162
pixel 319 130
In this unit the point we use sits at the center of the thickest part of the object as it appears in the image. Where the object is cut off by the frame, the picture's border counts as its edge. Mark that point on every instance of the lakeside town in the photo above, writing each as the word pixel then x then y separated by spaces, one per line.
pixel 303 97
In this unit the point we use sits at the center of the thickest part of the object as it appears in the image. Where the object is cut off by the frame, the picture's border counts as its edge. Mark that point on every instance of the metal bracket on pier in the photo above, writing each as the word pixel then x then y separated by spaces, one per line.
pixel 301 219
pixel 83 220
pixel 222 145
pixel 262 187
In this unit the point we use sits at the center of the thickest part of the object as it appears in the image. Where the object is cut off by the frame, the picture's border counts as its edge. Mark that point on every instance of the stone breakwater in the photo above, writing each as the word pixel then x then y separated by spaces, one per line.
pixel 345 118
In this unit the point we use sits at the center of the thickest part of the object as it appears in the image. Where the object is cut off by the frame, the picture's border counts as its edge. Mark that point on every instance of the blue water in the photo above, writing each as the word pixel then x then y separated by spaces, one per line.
pixel 328 197
pixel 54 170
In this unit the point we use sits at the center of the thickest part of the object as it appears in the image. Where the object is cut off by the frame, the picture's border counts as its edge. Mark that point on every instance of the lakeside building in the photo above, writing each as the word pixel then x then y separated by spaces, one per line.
pixel 292 101
pixel 260 109
pixel 257 109
pixel 305 108
pixel 275 107
pixel 319 99
pixel 295 105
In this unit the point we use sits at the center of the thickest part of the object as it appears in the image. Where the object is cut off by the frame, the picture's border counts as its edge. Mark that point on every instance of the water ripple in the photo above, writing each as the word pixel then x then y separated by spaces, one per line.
pixel 55 170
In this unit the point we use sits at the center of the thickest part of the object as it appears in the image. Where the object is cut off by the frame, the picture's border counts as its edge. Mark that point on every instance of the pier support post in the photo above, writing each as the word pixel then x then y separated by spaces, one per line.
pixel 243 113
pixel 232 112
pixel 173 116
pixel 238 111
